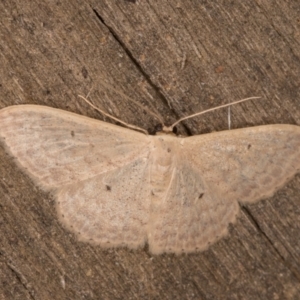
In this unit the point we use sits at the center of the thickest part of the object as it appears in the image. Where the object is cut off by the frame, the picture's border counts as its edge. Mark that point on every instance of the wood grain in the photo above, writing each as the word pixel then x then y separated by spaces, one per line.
pixel 179 57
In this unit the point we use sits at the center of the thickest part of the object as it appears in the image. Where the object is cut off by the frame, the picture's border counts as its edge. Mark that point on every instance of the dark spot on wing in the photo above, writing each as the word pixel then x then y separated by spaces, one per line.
pixel 201 195
pixel 72 133
pixel 249 146
pixel 108 188
pixel 169 150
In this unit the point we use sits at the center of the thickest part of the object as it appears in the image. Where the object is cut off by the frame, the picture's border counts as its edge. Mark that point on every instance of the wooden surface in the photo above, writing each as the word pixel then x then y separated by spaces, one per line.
pixel 177 58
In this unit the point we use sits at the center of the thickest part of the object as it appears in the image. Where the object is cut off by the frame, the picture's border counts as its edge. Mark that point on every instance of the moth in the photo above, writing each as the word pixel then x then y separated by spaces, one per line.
pixel 116 187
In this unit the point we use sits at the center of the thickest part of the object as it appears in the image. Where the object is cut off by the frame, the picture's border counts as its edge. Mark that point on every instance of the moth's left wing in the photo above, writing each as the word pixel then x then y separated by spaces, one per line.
pixel 110 209
pixel 99 172
pixel 58 148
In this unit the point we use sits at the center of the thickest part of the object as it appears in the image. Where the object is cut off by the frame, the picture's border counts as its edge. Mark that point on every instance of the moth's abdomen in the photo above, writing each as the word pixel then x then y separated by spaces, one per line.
pixel 162 167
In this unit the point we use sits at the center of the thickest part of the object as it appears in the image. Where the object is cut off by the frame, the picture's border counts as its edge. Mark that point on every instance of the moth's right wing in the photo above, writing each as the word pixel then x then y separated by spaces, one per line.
pixel 247 164
pixel 212 174
pixel 188 218
pixel 57 148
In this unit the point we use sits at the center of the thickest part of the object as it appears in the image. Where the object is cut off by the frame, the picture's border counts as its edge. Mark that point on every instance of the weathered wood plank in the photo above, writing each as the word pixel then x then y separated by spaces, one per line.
pixel 180 57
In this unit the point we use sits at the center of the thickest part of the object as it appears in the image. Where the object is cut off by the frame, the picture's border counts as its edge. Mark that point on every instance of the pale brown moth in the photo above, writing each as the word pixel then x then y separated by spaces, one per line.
pixel 118 187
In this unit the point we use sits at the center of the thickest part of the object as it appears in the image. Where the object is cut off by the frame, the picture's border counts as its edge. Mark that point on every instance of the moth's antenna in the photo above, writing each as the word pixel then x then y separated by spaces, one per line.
pixel 114 118
pixel 208 110
pixel 157 116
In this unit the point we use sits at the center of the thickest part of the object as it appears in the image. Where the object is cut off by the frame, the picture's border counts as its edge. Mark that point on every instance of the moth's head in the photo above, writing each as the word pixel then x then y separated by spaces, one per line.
pixel 161 129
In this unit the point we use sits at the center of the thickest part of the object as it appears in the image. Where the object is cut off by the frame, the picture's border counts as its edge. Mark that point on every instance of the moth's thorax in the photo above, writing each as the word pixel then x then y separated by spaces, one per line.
pixel 163 162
